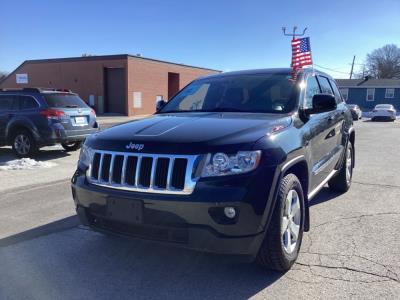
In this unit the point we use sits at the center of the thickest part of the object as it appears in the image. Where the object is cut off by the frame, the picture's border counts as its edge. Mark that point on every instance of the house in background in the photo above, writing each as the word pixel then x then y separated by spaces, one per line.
pixel 367 93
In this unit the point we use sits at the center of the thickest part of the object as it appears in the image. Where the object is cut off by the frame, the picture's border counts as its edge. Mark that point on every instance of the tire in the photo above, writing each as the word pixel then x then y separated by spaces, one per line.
pixel 71 146
pixel 277 251
pixel 342 181
pixel 23 143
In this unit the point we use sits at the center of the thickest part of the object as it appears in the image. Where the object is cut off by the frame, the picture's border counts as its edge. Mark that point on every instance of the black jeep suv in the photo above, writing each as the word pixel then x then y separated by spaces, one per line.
pixel 228 165
pixel 31 118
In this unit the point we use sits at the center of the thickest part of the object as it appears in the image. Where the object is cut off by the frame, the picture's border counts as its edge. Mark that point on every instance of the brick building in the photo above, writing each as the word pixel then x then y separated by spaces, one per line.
pixel 124 84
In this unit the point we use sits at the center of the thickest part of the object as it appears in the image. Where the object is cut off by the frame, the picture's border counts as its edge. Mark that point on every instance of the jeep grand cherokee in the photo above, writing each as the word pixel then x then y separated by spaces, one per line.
pixel 228 165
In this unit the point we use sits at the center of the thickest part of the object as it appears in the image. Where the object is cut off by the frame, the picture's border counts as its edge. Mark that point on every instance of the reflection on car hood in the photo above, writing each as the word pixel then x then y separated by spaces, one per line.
pixel 190 132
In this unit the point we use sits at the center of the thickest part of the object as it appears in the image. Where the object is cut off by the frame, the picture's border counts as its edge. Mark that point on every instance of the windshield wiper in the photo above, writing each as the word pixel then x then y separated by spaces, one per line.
pixel 180 111
pixel 225 109
pixel 217 109
pixel 71 106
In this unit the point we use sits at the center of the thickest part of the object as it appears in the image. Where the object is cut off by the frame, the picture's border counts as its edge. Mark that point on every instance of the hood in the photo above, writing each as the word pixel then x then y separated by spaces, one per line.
pixel 189 132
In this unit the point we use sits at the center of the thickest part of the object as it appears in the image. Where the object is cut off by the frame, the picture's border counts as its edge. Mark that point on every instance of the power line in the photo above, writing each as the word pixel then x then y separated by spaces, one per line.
pixel 332 70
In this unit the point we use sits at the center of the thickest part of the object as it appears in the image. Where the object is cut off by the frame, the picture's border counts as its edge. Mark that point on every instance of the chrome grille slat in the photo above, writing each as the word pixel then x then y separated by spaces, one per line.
pixel 153 171
pixel 124 169
pixel 111 170
pixel 170 169
pixel 138 166
pixel 100 167
pixel 189 181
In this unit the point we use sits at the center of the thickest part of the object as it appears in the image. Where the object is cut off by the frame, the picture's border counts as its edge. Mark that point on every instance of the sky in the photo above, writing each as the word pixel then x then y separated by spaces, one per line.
pixel 217 34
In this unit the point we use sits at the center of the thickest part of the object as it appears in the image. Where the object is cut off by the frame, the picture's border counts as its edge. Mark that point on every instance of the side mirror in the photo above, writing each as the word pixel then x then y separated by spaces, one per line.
pixel 160 104
pixel 322 103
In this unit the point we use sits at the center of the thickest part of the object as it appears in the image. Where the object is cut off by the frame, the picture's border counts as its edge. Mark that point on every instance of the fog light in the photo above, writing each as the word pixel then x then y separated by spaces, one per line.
pixel 230 212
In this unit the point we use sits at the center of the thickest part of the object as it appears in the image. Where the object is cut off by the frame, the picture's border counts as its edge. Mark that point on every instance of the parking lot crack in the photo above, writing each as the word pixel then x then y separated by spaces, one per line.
pixel 377 184
pixel 349 269
pixel 357 218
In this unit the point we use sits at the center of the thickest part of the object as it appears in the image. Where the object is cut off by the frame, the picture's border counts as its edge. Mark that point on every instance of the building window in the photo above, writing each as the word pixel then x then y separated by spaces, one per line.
pixel 370 94
pixel 389 93
pixel 137 99
pixel 345 94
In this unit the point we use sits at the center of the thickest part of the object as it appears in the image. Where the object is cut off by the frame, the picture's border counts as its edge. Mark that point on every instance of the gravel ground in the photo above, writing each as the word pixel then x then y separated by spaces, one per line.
pixel 352 250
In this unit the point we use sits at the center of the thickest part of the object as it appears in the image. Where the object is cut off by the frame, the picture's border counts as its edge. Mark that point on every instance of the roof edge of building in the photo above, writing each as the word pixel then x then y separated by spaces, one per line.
pixel 112 56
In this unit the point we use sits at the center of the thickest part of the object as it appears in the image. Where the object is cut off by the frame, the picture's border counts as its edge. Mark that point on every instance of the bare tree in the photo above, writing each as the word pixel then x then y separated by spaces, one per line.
pixel 3 75
pixel 384 62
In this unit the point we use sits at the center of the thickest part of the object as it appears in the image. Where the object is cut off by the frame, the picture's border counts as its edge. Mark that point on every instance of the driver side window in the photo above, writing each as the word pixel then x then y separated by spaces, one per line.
pixel 311 89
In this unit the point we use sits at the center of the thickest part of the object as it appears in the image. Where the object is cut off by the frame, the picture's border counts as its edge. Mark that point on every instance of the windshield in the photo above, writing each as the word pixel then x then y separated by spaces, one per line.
pixel 64 100
pixel 266 93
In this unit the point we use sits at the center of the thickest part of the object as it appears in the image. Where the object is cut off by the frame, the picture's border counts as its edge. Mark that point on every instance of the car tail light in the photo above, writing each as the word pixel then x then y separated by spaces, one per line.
pixel 52 114
pixel 93 112
pixel 391 111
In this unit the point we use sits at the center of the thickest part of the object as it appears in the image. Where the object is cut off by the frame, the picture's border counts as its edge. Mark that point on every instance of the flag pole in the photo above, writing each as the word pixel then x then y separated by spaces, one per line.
pixel 294 35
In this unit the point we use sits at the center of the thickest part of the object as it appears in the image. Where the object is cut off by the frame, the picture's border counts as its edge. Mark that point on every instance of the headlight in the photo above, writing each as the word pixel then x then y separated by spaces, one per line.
pixel 221 164
pixel 86 155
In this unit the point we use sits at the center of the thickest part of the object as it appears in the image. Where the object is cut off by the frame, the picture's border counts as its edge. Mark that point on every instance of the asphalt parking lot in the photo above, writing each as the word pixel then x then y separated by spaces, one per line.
pixel 352 250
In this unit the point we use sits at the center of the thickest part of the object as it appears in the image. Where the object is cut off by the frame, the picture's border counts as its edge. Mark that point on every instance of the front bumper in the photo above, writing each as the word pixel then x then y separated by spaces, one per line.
pixel 193 221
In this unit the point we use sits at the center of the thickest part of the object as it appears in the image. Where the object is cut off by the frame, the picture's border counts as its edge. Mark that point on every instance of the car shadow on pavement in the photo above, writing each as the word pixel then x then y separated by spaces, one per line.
pixel 36 232
pixel 323 196
pixel 50 153
pixel 85 264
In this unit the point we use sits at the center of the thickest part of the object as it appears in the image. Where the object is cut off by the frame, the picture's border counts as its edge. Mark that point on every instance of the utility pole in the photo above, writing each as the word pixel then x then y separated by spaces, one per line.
pixel 293 34
pixel 352 66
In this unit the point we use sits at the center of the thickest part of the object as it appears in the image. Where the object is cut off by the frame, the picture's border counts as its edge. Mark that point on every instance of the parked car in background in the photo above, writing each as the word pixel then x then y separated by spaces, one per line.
pixel 355 110
pixel 31 118
pixel 383 112
pixel 228 165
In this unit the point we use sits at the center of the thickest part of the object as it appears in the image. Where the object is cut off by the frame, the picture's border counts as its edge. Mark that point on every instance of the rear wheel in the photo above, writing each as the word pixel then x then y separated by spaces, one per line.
pixel 73 146
pixel 282 241
pixel 342 181
pixel 23 143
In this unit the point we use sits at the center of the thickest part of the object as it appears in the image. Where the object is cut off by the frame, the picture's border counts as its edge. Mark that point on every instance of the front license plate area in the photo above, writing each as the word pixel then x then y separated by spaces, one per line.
pixel 124 210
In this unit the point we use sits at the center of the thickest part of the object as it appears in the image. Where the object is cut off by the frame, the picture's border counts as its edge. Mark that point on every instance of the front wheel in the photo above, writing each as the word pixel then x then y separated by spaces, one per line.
pixel 282 241
pixel 342 181
pixel 71 146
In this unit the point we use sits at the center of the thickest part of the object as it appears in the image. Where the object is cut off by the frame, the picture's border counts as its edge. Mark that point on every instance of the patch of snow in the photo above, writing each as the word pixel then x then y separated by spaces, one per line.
pixel 26 164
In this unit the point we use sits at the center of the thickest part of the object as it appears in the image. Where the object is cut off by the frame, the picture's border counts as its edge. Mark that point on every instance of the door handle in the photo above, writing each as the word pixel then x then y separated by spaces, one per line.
pixel 330 118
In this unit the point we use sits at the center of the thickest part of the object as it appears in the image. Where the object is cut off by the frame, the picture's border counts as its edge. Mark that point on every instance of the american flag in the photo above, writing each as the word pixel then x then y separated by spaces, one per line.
pixel 301 53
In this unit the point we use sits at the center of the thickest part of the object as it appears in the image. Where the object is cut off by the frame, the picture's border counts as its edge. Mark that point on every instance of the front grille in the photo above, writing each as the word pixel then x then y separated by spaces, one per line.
pixel 151 173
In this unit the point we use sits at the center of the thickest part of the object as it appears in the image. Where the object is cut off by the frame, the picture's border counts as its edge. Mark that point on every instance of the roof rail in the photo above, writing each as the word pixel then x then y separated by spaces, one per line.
pixel 35 90
pixel 32 90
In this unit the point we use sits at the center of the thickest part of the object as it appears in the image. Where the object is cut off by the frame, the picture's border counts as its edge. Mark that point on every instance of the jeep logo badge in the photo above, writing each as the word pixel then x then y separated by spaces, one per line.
pixel 133 146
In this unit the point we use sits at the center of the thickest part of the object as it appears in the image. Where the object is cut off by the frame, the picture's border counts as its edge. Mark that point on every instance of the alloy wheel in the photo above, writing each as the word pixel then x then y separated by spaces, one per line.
pixel 290 225
pixel 22 144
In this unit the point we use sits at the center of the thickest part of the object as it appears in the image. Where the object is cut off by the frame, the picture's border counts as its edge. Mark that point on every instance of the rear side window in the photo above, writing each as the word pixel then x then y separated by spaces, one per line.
pixel 27 102
pixel 325 86
pixel 7 102
pixel 336 91
pixel 64 101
